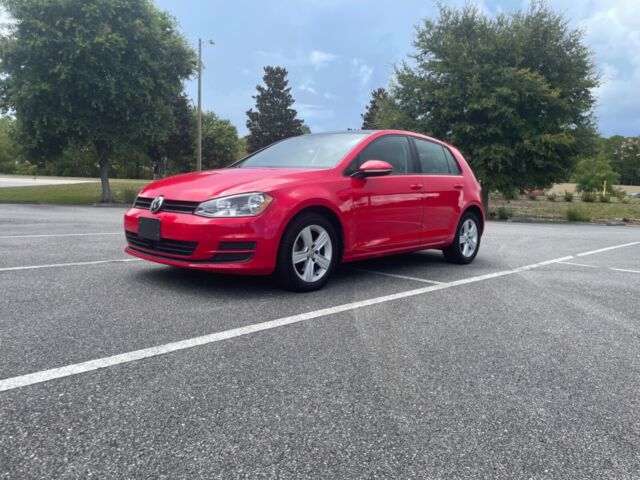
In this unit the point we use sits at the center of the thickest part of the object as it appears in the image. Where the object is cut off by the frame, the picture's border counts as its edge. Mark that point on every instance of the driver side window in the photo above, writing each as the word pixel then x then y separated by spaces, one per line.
pixel 393 149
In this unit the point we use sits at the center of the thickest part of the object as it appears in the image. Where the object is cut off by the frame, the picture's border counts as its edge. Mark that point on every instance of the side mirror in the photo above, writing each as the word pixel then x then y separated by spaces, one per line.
pixel 373 168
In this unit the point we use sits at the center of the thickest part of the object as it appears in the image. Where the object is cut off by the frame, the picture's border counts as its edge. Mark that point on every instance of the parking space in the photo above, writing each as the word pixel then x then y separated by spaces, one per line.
pixel 523 364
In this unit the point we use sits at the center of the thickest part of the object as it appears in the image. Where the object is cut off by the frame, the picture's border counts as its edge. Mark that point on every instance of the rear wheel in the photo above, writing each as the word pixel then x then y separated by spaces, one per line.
pixel 308 253
pixel 466 243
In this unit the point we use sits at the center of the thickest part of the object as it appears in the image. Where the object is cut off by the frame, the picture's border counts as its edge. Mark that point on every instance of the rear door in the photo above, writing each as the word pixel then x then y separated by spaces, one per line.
pixel 387 210
pixel 443 187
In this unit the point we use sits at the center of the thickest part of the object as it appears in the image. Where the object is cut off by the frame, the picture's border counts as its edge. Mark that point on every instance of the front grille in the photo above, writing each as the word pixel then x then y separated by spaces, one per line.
pixel 175 206
pixel 165 245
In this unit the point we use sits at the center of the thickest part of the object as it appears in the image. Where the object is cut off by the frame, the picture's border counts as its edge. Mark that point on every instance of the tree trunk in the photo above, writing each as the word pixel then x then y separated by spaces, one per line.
pixel 103 159
pixel 485 199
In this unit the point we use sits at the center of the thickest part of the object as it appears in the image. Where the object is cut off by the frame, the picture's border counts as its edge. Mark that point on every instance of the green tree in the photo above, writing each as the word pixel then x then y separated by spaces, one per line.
pixel 626 161
pixel 512 92
pixel 273 118
pixel 220 144
pixel 176 151
pixel 592 173
pixel 100 73
pixel 9 153
pixel 378 96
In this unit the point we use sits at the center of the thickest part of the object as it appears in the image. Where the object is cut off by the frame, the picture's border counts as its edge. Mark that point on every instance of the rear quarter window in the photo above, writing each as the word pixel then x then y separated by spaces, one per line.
pixel 454 167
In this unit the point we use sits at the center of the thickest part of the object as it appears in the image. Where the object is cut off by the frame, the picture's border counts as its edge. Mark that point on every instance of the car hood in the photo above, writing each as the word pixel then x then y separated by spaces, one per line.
pixel 201 186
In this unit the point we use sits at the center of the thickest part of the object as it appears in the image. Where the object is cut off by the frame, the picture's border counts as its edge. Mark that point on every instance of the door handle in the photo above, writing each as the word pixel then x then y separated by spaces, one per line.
pixel 459 186
pixel 415 186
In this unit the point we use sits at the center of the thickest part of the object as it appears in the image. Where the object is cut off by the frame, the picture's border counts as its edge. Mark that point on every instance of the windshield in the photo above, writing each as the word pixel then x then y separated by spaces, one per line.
pixel 322 150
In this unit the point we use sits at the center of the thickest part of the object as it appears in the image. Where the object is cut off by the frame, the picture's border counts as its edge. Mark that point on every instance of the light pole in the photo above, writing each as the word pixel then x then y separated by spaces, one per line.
pixel 199 147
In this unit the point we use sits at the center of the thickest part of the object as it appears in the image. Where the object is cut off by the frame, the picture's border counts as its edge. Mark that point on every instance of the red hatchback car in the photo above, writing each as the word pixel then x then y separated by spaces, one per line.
pixel 302 205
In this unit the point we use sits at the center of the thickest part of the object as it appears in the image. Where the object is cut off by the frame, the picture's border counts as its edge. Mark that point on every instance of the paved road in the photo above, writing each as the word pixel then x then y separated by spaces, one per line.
pixel 481 371
pixel 30 181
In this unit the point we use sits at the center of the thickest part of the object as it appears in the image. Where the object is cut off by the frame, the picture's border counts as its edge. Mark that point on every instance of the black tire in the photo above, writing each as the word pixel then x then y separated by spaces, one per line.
pixel 285 273
pixel 454 252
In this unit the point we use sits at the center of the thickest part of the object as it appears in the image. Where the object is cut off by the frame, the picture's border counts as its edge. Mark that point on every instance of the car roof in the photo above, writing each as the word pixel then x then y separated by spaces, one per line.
pixel 380 132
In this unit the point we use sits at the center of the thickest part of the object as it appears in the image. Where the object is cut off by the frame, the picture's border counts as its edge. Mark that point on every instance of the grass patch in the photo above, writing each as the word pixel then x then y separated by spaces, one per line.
pixel 504 213
pixel 615 210
pixel 576 214
pixel 123 191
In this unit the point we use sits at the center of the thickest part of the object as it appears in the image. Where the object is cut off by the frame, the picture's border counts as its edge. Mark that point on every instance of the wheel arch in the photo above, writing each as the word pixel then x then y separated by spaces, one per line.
pixel 477 211
pixel 329 214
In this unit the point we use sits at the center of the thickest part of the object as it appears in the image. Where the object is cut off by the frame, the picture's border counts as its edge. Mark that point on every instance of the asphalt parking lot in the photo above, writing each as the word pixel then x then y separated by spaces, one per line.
pixel 524 364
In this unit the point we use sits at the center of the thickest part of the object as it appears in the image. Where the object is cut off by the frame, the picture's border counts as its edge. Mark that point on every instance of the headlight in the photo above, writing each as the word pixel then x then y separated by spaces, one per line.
pixel 244 205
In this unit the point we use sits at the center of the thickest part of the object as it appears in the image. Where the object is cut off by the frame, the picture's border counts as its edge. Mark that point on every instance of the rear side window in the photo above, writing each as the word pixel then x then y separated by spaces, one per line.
pixel 393 149
pixel 432 158
pixel 454 168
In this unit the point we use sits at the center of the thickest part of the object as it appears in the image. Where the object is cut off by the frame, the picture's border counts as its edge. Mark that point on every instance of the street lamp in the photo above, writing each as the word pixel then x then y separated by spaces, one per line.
pixel 199 149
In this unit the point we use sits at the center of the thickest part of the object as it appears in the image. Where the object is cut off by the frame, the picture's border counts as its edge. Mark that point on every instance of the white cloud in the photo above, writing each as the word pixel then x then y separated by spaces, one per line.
pixel 363 71
pixel 320 59
pixel 305 87
pixel 6 21
pixel 329 96
pixel 309 111
pixel 612 30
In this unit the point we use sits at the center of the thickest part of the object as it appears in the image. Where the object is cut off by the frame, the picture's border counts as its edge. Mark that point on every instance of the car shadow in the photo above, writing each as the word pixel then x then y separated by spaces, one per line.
pixel 183 280
pixel 346 278
pixel 421 258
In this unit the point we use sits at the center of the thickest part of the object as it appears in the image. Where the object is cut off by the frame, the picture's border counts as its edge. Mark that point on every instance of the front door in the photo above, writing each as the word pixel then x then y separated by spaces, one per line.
pixel 387 210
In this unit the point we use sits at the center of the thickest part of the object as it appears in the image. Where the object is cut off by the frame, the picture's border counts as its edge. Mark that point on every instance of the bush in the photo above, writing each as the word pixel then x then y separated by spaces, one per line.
pixel 619 193
pixel 589 197
pixel 604 198
pixel 568 196
pixel 551 196
pixel 577 215
pixel 126 195
pixel 510 194
pixel 504 213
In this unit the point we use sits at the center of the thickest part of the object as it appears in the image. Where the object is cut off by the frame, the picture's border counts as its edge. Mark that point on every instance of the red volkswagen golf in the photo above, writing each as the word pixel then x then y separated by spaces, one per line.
pixel 302 205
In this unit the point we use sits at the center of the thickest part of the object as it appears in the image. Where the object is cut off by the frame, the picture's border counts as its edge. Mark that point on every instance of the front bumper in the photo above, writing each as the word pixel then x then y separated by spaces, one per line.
pixel 233 245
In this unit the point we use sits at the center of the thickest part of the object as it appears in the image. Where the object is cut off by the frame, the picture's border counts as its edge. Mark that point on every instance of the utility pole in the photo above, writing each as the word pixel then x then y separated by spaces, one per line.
pixel 199 146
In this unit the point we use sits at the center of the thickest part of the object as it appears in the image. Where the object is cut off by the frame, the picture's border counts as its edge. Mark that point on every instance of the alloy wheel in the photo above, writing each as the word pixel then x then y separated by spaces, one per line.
pixel 312 253
pixel 468 238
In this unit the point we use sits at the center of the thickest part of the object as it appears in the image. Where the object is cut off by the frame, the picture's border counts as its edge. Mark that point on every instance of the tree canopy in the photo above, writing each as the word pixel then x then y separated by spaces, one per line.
pixel 378 96
pixel 91 72
pixel 220 145
pixel 594 173
pixel 513 92
pixel 626 160
pixel 273 118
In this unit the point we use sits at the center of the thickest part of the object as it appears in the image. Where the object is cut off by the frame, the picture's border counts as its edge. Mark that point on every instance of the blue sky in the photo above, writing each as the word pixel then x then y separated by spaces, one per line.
pixel 337 51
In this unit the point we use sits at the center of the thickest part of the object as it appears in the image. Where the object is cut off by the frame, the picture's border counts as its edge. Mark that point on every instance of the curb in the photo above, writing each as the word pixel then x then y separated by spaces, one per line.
pixel 559 222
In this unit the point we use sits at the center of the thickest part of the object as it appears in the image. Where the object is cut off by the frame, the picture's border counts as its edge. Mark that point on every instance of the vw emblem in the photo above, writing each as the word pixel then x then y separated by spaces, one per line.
pixel 156 205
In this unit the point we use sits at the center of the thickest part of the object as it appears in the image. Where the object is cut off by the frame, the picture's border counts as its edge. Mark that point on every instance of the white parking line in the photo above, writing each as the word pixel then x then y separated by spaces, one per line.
pixel 584 254
pixel 403 277
pixel 88 366
pixel 46 375
pixel 73 264
pixel 61 235
pixel 625 270
pixel 578 264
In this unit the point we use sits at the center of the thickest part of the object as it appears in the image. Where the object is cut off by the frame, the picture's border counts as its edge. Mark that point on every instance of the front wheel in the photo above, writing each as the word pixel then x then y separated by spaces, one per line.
pixel 308 253
pixel 466 243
